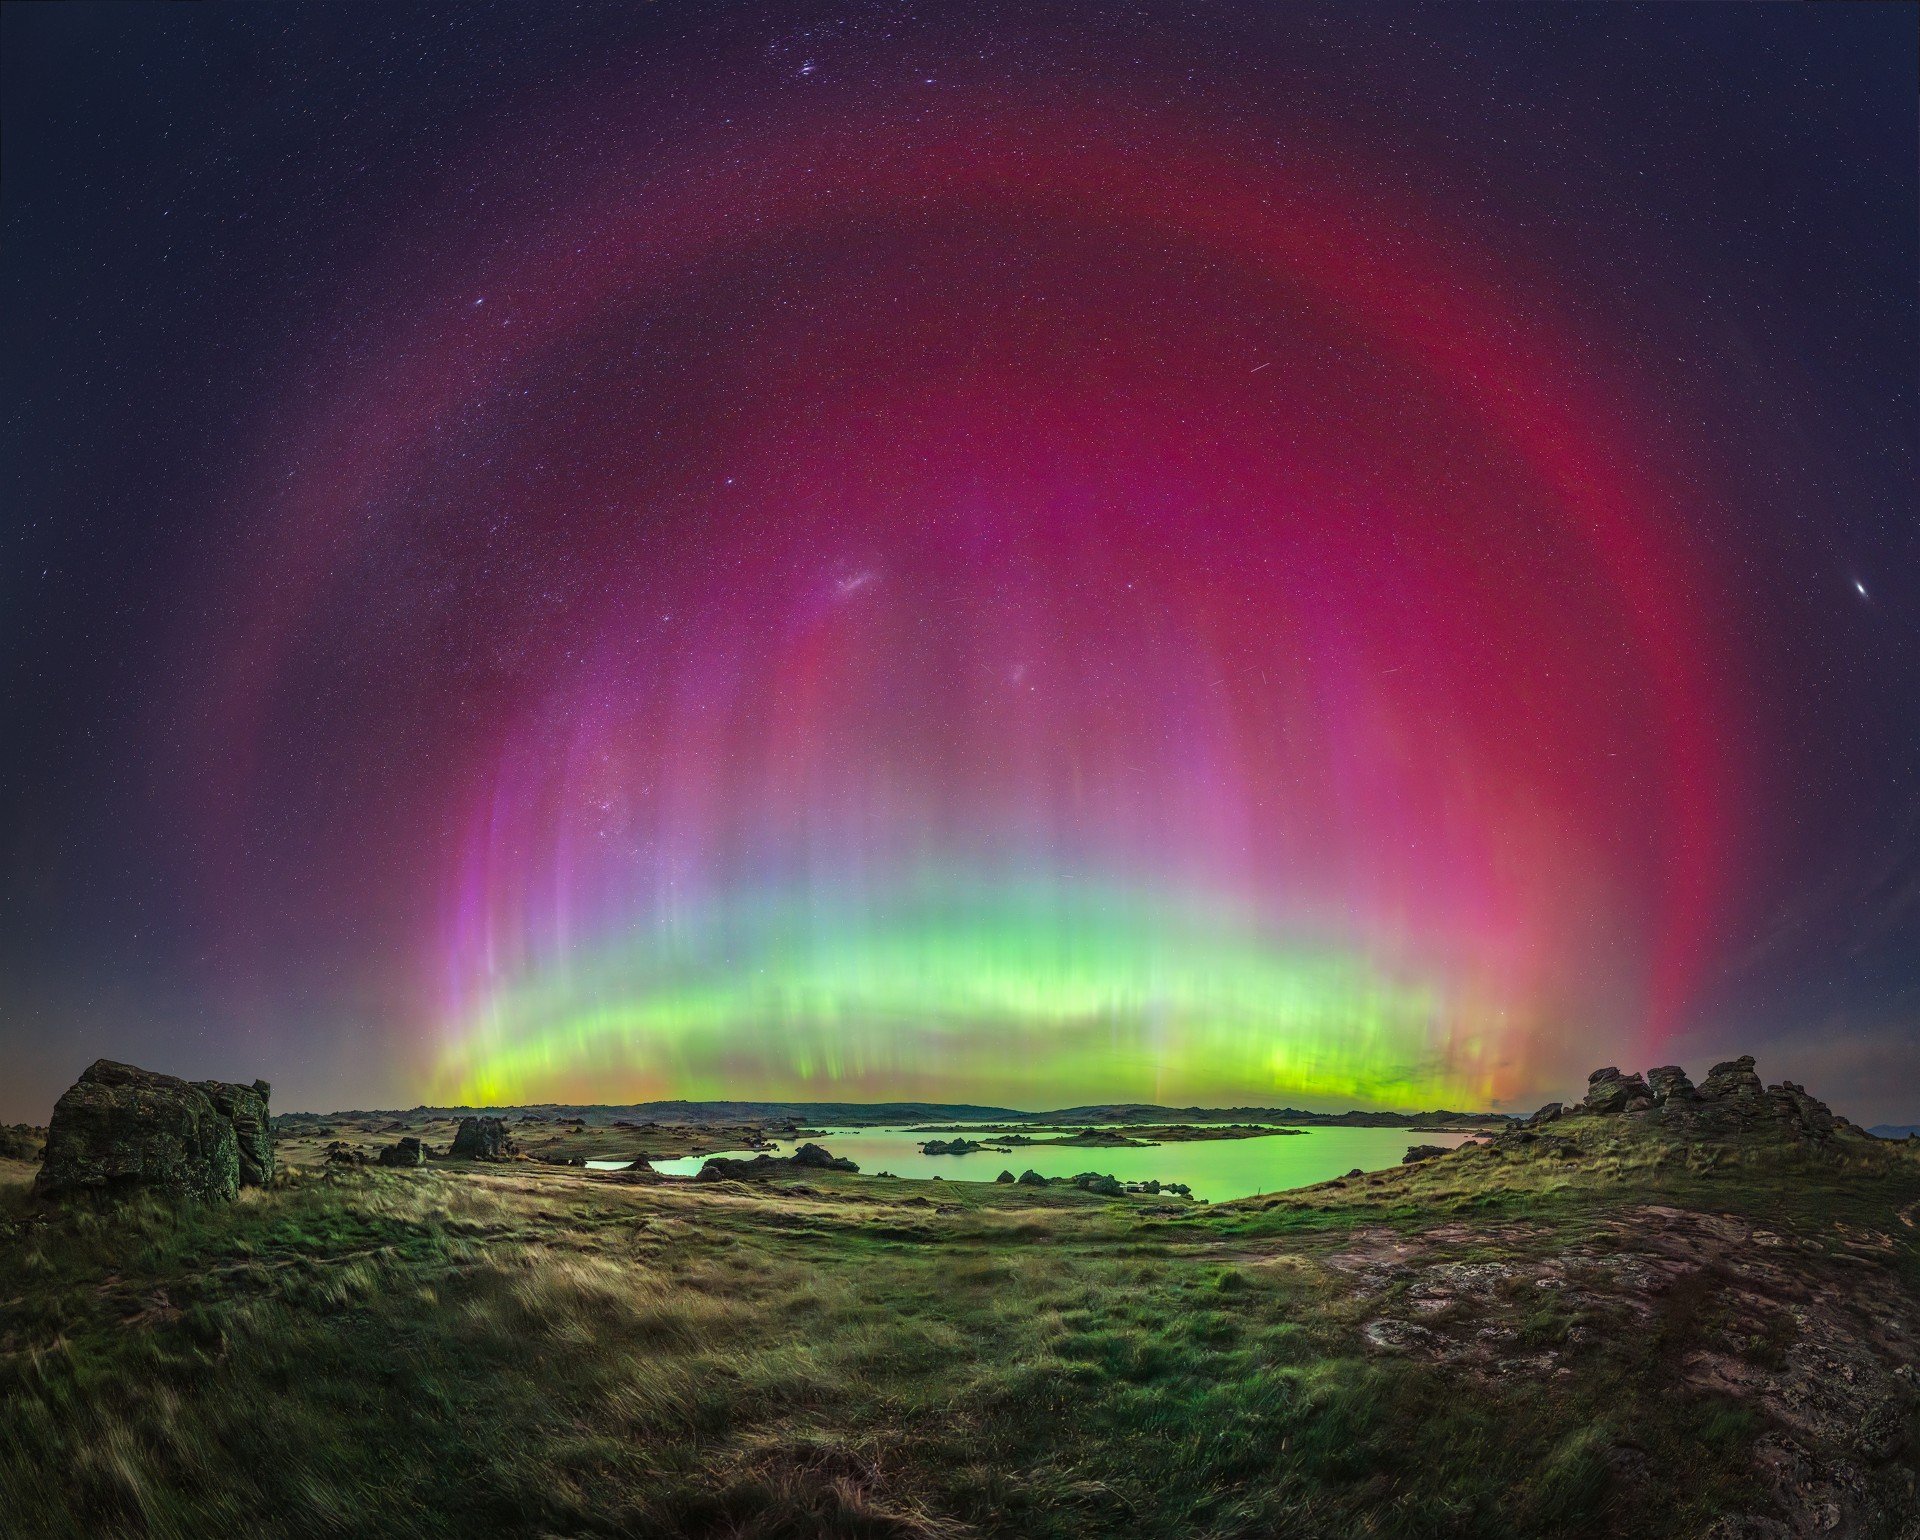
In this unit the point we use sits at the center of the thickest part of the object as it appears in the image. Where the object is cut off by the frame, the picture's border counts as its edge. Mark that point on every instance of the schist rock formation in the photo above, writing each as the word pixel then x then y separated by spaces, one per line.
pixel 1732 1098
pixel 118 1128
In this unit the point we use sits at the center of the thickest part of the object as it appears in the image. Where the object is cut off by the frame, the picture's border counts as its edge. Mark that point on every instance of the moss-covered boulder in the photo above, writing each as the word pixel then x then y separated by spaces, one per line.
pixel 120 1129
pixel 245 1106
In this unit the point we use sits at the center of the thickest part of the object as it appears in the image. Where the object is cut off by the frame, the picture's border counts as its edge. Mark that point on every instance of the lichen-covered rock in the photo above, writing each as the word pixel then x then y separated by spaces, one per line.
pixel 1733 1078
pixel 120 1129
pixel 1609 1091
pixel 1791 1104
pixel 404 1153
pixel 1669 1083
pixel 483 1138
pixel 245 1106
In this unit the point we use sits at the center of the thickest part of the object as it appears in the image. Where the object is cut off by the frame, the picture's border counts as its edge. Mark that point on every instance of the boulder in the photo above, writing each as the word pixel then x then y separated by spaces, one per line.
pixel 340 1153
pixel 483 1138
pixel 1094 1182
pixel 1609 1091
pixel 1735 1078
pixel 1419 1152
pixel 1546 1114
pixel 1032 1178
pixel 1004 1176
pixel 404 1153
pixel 813 1157
pixel 118 1128
pixel 1669 1083
pixel 245 1106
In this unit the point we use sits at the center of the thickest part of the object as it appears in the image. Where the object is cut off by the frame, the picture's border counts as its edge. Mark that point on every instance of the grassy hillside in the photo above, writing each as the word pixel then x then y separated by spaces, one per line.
pixel 1620 1334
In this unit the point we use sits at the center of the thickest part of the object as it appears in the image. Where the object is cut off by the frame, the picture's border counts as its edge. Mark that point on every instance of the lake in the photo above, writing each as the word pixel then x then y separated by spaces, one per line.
pixel 1216 1169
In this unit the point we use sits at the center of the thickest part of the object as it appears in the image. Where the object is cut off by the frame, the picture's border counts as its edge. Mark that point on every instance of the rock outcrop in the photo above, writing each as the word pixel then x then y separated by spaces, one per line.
pixel 1669 1083
pixel 1032 1178
pixel 405 1153
pixel 1610 1091
pixel 483 1138
pixel 1419 1152
pixel 1735 1078
pixel 1732 1098
pixel 1004 1176
pixel 119 1128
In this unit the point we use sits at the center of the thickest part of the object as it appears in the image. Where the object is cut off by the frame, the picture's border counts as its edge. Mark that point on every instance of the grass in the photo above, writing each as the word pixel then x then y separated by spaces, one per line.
pixel 532 1351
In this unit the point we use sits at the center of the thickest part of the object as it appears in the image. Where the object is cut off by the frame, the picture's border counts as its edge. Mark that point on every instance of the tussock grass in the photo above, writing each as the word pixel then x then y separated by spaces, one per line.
pixel 529 1352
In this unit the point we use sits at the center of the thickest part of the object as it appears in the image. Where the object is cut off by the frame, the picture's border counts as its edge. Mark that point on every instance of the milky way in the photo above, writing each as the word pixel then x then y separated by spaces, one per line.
pixel 844 577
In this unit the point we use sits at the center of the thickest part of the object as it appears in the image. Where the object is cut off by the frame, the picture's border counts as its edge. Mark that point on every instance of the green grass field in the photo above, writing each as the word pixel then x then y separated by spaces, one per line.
pixel 1635 1340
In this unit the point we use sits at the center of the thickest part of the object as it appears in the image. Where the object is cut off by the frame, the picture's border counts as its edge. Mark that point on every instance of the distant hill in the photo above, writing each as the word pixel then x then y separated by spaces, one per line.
pixel 704 1113
pixel 1141 1112
pixel 1894 1130
pixel 716 1112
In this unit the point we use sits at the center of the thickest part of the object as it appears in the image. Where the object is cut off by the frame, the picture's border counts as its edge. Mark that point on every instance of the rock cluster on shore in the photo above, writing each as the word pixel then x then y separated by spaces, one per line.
pixel 119 1128
pixel 809 1157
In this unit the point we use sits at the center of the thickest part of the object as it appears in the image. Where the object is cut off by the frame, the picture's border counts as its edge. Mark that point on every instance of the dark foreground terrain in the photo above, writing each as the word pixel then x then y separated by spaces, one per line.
pixel 1614 1323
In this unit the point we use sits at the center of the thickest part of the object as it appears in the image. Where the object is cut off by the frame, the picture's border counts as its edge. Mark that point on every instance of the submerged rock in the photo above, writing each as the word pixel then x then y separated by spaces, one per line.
pixel 483 1138
pixel 951 1147
pixel 119 1128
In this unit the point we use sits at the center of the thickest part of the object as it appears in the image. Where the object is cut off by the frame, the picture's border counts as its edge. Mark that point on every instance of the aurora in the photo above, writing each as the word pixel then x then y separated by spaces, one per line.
pixel 1015 992
pixel 1014 556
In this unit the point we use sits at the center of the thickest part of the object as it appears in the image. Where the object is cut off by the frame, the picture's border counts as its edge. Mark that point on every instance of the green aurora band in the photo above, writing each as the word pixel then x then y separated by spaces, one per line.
pixel 1010 993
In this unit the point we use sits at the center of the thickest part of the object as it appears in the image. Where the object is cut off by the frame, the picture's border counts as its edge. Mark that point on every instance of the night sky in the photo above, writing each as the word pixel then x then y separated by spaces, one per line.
pixel 1211 553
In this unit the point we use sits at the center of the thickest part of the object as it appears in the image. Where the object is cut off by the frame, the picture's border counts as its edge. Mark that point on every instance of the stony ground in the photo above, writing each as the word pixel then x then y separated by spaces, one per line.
pixel 1612 1335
